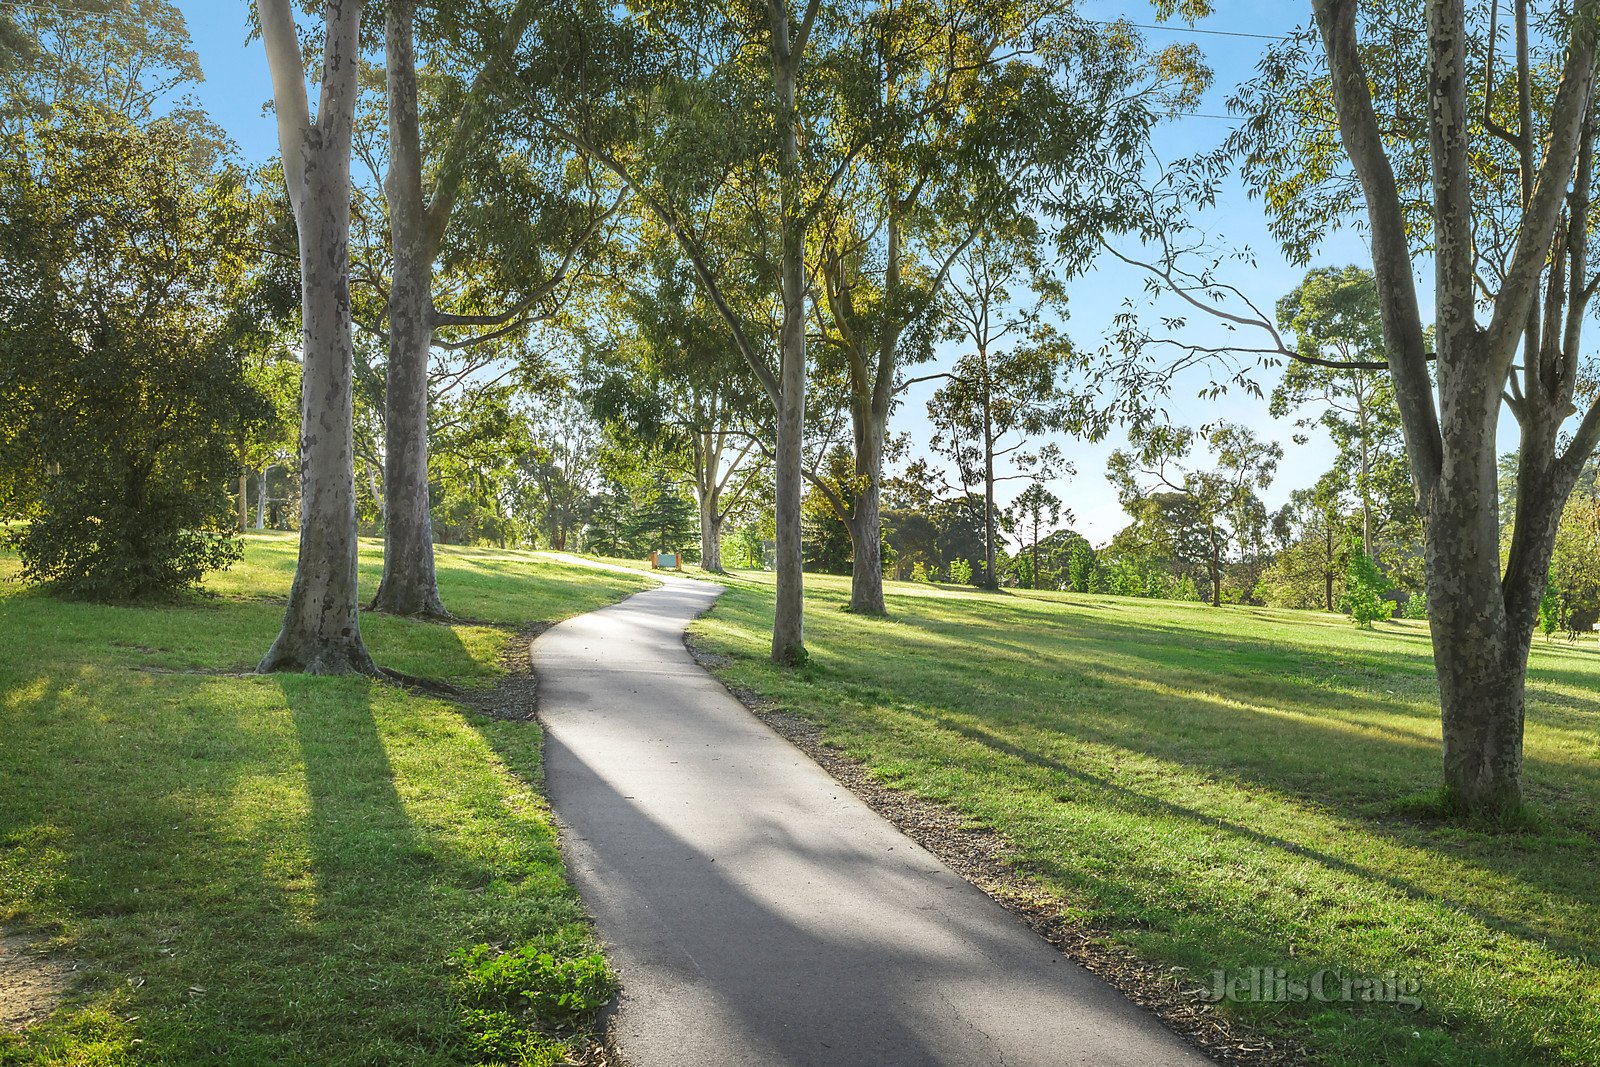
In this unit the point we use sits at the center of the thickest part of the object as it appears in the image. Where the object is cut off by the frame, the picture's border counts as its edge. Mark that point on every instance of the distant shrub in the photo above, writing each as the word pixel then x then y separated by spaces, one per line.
pixel 960 572
pixel 919 572
pixel 1080 568
pixel 1365 589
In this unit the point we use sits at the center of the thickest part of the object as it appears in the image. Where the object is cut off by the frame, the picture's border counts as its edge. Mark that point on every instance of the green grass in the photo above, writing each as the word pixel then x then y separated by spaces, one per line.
pixel 281 869
pixel 1232 788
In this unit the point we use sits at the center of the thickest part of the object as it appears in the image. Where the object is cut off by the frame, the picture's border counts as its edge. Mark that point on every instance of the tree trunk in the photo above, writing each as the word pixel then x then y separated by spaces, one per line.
pixel 710 532
pixel 1327 562
pixel 321 631
pixel 1367 545
pixel 1481 624
pixel 989 580
pixel 788 624
pixel 244 500
pixel 409 585
pixel 261 499
pixel 866 538
pixel 1480 658
pixel 1482 667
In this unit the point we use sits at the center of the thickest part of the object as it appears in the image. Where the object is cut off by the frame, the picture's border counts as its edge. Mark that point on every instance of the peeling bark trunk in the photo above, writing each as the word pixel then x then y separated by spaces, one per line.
pixel 1480 656
pixel 1482 621
pixel 321 631
pixel 244 500
pixel 409 585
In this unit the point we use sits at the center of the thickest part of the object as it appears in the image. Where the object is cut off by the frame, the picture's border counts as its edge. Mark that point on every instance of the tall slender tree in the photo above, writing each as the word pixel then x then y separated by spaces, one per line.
pixel 321 631
pixel 967 114
pixel 418 219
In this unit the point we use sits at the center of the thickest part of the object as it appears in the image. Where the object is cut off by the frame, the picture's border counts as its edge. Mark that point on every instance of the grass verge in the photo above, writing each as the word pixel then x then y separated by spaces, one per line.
pixel 288 869
pixel 1240 790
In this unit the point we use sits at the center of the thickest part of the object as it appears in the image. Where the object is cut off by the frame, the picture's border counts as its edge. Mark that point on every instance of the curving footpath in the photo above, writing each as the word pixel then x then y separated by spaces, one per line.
pixel 757 911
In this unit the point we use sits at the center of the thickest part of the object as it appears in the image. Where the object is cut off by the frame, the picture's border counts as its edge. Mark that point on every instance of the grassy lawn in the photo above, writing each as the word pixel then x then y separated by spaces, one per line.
pixel 1232 788
pixel 281 869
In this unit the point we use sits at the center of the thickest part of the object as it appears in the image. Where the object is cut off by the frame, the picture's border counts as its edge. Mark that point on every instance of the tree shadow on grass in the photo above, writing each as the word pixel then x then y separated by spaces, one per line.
pixel 1334 750
pixel 1126 798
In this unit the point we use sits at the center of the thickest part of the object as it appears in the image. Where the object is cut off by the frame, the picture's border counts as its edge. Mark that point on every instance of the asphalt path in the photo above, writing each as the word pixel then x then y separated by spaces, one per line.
pixel 757 911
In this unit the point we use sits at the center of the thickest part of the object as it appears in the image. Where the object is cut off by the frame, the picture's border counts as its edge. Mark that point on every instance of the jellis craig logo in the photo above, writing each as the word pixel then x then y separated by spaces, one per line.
pixel 1330 985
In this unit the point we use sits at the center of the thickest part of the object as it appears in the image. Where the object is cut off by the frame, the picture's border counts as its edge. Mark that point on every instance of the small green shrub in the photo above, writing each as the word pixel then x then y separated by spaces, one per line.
pixel 1365 589
pixel 960 572
pixel 919 572
pixel 521 1005
pixel 558 990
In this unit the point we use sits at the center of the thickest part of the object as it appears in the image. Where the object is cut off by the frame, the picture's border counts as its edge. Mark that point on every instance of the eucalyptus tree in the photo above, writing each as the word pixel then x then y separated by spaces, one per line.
pixel 970 117
pixel 130 57
pixel 558 473
pixel 1333 315
pixel 700 111
pixel 1204 514
pixel 525 236
pixel 321 632
pixel 1008 388
pixel 1310 534
pixel 1412 121
pixel 1035 511
pixel 672 382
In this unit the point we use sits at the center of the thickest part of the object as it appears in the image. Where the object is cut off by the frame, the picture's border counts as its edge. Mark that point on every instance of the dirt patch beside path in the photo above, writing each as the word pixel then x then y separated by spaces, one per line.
pixel 32 982
pixel 980 856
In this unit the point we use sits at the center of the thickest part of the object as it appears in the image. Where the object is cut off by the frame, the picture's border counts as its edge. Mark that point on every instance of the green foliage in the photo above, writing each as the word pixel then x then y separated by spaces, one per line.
pixel 1202 520
pixel 1365 587
pixel 1572 597
pixel 961 572
pixel 1334 316
pixel 1081 567
pixel 743 548
pixel 124 56
pixel 825 543
pixel 125 310
pixel 919 572
pixel 662 518
pixel 1549 608
pixel 515 999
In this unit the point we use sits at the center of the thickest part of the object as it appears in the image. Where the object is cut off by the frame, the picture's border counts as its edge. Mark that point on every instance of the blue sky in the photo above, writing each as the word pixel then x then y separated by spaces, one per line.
pixel 237 87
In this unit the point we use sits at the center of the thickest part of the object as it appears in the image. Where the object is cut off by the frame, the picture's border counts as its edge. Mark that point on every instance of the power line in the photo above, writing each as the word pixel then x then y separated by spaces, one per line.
pixel 1163 28
pixel 57 9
